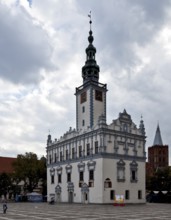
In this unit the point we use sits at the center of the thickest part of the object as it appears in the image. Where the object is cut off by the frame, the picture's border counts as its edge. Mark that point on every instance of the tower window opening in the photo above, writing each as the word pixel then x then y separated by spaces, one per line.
pixel 61 156
pixel 83 109
pixel 88 149
pixel 96 147
pixel 67 154
pixel 73 153
pixel 50 159
pixel 80 151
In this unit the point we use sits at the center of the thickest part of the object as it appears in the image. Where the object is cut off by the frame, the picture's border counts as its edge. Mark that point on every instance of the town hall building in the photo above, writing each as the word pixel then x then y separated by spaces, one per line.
pixel 97 161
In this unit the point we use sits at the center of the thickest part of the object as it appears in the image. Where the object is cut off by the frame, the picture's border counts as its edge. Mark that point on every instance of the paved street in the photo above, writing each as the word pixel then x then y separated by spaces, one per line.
pixel 44 211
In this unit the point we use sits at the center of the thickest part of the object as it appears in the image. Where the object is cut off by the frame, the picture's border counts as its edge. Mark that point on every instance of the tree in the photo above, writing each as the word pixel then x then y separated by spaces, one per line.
pixel 43 175
pixel 29 169
pixel 5 184
pixel 160 181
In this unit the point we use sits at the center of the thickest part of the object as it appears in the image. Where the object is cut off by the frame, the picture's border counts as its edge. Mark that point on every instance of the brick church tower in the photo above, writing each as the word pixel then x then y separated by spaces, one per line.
pixel 157 154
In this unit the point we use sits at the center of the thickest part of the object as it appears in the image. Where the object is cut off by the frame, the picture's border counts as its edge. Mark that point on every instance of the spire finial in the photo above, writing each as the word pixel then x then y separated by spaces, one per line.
pixel 89 15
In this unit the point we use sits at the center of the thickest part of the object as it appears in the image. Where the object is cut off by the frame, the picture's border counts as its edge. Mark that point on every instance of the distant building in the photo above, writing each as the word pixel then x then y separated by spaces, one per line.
pixel 6 165
pixel 158 154
pixel 96 162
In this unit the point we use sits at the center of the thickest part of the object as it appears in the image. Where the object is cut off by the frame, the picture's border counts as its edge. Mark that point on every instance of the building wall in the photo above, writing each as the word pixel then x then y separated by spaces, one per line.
pixel 104 168
pixel 118 152
pixel 158 156
pixel 119 187
pixel 83 115
pixel 93 107
pixel 95 193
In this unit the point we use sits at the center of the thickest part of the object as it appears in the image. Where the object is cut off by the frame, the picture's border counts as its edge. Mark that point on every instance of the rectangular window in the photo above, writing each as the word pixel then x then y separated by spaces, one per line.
pixel 91 175
pixel 55 158
pixel 67 155
pixel 52 179
pixel 80 184
pixel 112 194
pixel 81 180
pixel 83 109
pixel 68 177
pixel 98 95
pixel 81 176
pixel 80 151
pixel 91 178
pixel 139 194
pixel 61 156
pixel 59 178
pixel 91 184
pixel 83 122
pixel 88 149
pixel 50 159
pixel 133 175
pixel 83 97
pixel 127 194
pixel 96 147
pixel 73 153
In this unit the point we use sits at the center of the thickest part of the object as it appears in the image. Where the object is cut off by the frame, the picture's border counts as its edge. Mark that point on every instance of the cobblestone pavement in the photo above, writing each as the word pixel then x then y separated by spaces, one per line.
pixel 44 211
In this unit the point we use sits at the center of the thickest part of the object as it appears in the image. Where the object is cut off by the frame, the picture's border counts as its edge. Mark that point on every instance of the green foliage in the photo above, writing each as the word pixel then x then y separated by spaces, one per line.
pixel 160 181
pixel 29 169
pixel 5 184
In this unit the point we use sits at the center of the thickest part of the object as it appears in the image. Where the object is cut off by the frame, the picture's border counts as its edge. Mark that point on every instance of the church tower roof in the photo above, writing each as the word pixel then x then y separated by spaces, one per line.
pixel 90 71
pixel 158 138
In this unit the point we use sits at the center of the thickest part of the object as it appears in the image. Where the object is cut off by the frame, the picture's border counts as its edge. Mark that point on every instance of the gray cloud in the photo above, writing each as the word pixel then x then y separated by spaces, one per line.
pixel 24 47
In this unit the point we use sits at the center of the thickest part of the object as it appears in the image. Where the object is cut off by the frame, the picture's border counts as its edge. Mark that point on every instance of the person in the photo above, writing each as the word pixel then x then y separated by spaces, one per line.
pixel 5 207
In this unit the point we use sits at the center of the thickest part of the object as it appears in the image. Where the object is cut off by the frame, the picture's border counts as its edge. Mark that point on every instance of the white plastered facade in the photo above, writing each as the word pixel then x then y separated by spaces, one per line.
pixel 113 155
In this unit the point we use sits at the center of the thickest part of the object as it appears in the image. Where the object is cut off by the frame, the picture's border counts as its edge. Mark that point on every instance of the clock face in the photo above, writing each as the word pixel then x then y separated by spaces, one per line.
pixel 98 95
pixel 83 97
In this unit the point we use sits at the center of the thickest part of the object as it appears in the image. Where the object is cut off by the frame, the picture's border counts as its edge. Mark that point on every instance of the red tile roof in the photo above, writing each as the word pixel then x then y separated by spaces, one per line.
pixel 6 164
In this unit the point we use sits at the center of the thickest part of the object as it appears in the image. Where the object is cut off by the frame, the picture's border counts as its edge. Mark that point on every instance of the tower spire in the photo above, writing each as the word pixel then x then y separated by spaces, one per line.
pixel 89 15
pixel 90 71
pixel 158 138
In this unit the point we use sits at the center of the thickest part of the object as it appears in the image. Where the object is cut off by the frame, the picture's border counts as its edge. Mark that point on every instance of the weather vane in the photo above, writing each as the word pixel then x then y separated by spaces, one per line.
pixel 89 15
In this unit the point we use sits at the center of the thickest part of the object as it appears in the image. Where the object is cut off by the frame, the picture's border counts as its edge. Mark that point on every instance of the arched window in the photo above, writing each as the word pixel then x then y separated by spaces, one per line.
pixel 107 183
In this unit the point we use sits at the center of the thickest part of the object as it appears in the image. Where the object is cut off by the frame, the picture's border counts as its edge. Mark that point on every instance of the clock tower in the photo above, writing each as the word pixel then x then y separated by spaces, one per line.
pixel 91 95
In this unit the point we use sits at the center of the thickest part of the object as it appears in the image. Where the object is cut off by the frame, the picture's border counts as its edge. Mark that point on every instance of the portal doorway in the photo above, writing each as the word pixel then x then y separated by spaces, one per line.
pixel 70 197
pixel 85 193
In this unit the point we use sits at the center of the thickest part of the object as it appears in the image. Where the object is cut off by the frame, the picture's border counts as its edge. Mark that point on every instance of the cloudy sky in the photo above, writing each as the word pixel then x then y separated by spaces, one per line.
pixel 42 51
